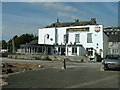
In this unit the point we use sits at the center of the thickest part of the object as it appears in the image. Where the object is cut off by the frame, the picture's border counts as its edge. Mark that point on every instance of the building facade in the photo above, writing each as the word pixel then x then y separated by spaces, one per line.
pixel 114 39
pixel 75 39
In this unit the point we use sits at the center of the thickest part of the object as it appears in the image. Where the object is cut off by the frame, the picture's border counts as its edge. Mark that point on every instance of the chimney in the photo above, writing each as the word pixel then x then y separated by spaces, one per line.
pixel 57 20
pixel 93 20
pixel 76 20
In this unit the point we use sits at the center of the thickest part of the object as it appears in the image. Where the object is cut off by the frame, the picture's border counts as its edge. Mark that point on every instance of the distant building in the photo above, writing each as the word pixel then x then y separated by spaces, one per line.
pixel 114 39
pixel 74 39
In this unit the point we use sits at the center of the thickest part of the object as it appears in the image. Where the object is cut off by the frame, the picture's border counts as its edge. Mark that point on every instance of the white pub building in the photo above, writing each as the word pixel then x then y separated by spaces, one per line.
pixel 74 39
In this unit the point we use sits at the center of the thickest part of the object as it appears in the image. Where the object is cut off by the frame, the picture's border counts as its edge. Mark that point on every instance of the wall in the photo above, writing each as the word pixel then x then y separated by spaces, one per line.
pixel 42 36
pixel 114 47
pixel 97 37
pixel 105 45
pixel 52 57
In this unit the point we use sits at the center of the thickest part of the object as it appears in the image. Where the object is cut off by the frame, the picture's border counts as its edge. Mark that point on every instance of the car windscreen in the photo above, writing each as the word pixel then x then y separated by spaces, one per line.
pixel 113 57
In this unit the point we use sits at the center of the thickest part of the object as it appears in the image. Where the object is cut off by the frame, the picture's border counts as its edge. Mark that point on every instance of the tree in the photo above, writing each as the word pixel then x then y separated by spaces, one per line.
pixel 18 41
pixel 9 43
pixel 3 44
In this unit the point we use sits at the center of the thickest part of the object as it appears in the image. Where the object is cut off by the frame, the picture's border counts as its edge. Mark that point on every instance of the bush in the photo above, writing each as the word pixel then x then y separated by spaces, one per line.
pixel 47 58
pixel 37 58
pixel 82 60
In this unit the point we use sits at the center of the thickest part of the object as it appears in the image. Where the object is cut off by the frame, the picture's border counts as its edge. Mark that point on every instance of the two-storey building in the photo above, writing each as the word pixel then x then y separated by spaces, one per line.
pixel 74 39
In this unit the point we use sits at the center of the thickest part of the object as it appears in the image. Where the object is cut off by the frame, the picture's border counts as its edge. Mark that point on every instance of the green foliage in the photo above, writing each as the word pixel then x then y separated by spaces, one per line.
pixel 84 55
pixel 39 58
pixel 82 60
pixel 47 58
pixel 3 44
pixel 19 40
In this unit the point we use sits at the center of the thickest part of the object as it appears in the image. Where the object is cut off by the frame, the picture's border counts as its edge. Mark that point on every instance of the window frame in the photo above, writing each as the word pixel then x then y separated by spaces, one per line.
pixel 77 38
pixel 89 39
pixel 74 50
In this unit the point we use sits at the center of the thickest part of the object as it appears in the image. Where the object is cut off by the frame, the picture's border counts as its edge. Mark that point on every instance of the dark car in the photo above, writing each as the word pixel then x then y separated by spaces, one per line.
pixel 111 61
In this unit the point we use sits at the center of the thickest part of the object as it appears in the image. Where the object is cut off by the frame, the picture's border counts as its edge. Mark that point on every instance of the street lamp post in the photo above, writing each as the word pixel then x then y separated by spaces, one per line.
pixel 66 49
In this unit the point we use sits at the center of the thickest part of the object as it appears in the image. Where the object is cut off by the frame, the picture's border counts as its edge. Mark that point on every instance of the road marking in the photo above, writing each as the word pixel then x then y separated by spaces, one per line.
pixel 92 82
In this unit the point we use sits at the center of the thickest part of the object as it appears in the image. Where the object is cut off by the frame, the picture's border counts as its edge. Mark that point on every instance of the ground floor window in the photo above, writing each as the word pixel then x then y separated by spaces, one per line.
pixel 74 50
pixel 40 50
pixel 89 51
pixel 62 51
pixel 49 51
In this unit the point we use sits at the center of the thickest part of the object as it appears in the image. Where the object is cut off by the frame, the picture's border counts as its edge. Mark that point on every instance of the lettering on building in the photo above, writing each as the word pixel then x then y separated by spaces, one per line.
pixel 85 29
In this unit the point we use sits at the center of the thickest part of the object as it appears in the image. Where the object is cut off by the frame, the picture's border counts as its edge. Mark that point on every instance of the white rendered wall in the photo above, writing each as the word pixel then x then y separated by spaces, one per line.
pixel 105 45
pixel 97 37
pixel 42 36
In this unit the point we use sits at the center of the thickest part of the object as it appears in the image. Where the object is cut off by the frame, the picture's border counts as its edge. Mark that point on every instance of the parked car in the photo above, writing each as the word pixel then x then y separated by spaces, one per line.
pixel 111 61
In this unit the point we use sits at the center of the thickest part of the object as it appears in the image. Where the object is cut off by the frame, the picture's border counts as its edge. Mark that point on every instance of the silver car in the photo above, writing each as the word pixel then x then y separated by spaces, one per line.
pixel 111 61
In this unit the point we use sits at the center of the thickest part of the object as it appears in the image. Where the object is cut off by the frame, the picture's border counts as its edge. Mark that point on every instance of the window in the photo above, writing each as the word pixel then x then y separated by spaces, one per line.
pixel 90 53
pixel 115 32
pixel 77 36
pixel 40 50
pixel 65 38
pixel 107 32
pixel 74 50
pixel 89 37
pixel 118 29
pixel 112 32
pixel 115 43
pixel 111 29
pixel 112 57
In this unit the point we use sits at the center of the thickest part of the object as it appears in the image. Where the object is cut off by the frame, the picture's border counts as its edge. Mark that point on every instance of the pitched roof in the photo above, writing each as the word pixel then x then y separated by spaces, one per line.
pixel 113 33
pixel 76 23
pixel 34 42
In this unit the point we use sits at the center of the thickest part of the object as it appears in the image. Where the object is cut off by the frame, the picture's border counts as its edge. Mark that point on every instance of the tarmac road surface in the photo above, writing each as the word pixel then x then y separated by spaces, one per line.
pixel 77 75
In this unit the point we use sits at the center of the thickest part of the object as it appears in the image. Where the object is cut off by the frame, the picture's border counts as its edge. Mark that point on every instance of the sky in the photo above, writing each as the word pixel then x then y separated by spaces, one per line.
pixel 27 17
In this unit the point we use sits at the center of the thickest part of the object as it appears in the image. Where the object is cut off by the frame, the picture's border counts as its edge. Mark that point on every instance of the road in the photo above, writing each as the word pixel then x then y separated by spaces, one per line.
pixel 77 75
pixel 55 64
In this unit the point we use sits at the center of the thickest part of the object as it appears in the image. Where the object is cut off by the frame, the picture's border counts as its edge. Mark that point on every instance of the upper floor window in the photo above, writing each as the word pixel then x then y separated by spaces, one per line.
pixel 77 38
pixel 115 43
pixel 65 38
pixel 115 32
pixel 118 29
pixel 107 32
pixel 89 37
pixel 112 32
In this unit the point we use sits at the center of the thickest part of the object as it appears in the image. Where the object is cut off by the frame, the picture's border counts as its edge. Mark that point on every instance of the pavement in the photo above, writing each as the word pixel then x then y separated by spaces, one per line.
pixel 77 75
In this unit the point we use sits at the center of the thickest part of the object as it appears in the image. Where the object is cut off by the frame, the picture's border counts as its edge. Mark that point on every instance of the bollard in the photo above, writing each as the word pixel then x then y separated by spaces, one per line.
pixel 64 64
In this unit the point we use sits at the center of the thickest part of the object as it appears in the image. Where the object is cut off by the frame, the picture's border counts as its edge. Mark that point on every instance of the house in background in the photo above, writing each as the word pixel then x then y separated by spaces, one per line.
pixel 74 39
pixel 114 39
